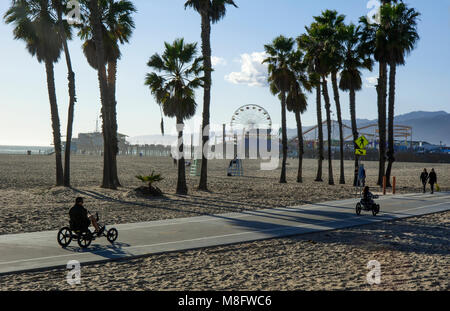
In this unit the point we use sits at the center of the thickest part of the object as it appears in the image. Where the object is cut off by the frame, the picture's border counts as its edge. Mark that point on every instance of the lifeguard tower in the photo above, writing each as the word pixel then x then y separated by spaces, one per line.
pixel 196 167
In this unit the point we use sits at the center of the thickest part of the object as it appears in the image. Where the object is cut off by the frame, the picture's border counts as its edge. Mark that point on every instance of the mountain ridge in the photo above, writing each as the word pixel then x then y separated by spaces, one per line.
pixel 429 126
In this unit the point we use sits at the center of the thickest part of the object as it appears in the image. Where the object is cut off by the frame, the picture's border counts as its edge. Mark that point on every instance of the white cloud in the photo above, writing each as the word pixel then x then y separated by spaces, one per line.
pixel 218 61
pixel 253 72
pixel 371 81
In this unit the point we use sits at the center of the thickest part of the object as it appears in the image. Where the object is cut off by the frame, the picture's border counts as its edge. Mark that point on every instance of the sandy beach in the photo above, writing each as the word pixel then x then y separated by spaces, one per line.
pixel 29 201
pixel 413 253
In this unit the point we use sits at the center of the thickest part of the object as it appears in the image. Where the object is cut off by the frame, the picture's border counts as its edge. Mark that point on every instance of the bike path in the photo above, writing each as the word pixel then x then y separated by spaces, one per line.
pixel 39 250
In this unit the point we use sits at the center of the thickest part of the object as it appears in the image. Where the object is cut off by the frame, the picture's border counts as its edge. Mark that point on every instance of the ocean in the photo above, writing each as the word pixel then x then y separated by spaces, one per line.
pixel 25 149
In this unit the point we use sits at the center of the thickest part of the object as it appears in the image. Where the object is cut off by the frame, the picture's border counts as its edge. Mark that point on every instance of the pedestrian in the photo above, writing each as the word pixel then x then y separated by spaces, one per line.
pixel 424 179
pixel 432 179
pixel 362 176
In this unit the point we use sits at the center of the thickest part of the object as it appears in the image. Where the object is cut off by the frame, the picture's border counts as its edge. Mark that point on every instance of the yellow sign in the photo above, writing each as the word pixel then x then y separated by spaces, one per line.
pixel 362 142
pixel 361 152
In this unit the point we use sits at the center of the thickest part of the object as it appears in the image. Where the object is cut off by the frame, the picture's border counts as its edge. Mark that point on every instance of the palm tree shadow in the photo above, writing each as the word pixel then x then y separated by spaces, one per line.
pixel 397 234
pixel 212 204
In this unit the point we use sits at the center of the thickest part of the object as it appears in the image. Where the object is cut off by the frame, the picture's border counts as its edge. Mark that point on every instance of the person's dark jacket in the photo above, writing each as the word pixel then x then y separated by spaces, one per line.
pixel 367 196
pixel 79 217
pixel 432 178
pixel 424 177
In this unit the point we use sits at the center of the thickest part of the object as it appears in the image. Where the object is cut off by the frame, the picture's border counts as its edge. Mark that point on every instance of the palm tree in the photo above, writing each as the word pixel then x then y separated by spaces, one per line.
pixel 333 31
pixel 296 102
pixel 94 15
pixel 402 39
pixel 117 27
pixel 174 89
pixel 374 37
pixel 65 33
pixel 34 23
pixel 355 59
pixel 316 46
pixel 211 11
pixel 280 62
pixel 312 47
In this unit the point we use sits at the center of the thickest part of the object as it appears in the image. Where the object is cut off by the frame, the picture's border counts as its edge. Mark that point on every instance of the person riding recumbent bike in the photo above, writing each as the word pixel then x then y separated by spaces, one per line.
pixel 80 220
pixel 367 203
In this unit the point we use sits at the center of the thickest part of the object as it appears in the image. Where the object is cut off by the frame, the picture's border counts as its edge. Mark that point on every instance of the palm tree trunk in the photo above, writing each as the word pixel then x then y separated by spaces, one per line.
pixel 72 100
pixel 381 90
pixel 181 183
pixel 108 180
pixel 341 132
pixel 328 111
pixel 354 131
pixel 320 129
pixel 298 119
pixel 55 121
pixel 112 78
pixel 390 153
pixel 206 51
pixel 283 138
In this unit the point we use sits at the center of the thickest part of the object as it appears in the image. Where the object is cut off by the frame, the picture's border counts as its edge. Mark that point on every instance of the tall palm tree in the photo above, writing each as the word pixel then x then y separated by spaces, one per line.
pixel 296 102
pixel 174 87
pixel 211 11
pixel 280 60
pixel 402 39
pixel 117 27
pixel 315 42
pixel 375 39
pixel 333 35
pixel 355 59
pixel 66 34
pixel 312 48
pixel 34 23
pixel 94 18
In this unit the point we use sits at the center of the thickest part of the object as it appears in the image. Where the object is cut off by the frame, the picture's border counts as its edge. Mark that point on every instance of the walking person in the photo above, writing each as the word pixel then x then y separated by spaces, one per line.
pixel 362 176
pixel 424 179
pixel 432 179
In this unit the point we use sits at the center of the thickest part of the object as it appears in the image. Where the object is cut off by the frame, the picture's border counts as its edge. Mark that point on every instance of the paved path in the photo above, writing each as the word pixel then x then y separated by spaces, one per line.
pixel 29 251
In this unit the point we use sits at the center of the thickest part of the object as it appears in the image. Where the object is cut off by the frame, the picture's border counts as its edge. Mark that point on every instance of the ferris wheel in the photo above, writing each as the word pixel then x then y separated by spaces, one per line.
pixel 250 117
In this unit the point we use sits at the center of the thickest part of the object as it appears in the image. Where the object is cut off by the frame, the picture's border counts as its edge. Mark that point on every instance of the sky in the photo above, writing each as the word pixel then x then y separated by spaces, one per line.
pixel 238 78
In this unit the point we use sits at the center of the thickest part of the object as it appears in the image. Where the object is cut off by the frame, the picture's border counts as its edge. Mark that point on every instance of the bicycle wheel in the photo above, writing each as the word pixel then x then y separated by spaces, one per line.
pixel 375 210
pixel 84 239
pixel 358 209
pixel 112 235
pixel 64 236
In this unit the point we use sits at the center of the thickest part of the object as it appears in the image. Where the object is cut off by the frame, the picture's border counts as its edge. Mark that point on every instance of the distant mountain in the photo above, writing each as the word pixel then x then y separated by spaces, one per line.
pixel 432 127
pixel 420 115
